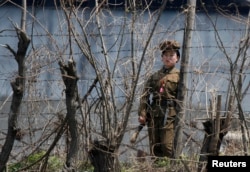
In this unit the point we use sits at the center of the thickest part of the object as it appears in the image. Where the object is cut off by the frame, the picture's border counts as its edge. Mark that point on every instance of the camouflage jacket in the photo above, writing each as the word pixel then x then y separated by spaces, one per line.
pixel 162 86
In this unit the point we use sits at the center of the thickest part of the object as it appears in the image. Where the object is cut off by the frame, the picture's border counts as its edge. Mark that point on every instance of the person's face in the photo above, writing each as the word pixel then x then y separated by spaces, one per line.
pixel 169 58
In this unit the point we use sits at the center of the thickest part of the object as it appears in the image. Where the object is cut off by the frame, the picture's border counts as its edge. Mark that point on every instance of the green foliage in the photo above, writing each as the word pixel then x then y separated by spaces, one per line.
pixel 54 163
pixel 126 167
pixel 14 167
pixel 162 162
pixel 86 166
pixel 34 157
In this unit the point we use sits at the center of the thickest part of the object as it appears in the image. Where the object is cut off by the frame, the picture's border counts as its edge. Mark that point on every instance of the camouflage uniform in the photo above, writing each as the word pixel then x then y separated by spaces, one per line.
pixel 160 112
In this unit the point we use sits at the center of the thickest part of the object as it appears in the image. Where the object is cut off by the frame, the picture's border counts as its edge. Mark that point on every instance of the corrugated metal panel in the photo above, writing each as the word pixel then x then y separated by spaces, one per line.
pixel 244 4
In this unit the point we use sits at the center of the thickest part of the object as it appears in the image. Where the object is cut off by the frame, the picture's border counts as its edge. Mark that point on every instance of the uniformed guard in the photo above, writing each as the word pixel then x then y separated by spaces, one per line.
pixel 160 114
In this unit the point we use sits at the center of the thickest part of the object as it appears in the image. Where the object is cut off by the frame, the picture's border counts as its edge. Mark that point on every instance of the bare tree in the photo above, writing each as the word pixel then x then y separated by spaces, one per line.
pixel 18 86
pixel 91 116
pixel 111 111
pixel 115 75
pixel 70 79
pixel 237 65
pixel 215 127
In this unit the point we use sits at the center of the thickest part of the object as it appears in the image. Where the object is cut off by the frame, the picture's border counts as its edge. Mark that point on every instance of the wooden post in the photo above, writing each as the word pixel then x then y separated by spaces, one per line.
pixel 215 129
pixel 181 105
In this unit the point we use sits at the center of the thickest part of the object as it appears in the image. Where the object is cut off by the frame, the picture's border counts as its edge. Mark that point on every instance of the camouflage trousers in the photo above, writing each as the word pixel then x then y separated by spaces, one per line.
pixel 161 134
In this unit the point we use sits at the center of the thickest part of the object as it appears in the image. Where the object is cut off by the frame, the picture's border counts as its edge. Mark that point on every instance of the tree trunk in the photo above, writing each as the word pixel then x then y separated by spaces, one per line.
pixel 104 157
pixel 18 90
pixel 209 141
pixel 215 130
pixel 69 76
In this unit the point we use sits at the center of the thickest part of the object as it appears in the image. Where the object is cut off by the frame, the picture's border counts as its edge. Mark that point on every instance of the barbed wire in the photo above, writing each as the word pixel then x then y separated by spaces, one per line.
pixel 189 90
pixel 193 72
pixel 113 34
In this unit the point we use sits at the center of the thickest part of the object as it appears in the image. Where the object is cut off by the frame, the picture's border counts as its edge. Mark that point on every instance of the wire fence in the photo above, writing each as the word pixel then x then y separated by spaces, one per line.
pixel 207 71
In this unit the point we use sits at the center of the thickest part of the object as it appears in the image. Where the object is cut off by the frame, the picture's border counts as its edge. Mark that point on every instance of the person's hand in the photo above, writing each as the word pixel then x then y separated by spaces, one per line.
pixel 142 119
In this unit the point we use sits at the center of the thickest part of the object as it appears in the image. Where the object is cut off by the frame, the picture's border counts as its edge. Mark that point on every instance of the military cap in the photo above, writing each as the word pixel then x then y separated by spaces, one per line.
pixel 169 45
